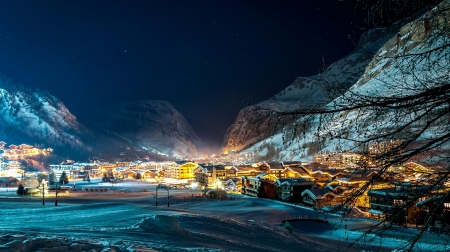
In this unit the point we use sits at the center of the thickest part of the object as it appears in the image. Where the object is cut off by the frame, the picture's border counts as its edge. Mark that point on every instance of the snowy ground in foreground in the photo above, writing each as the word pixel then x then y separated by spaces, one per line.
pixel 127 221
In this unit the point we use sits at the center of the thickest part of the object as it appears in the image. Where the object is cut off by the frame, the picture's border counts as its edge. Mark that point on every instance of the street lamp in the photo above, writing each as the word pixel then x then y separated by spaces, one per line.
pixel 56 192
pixel 43 187
pixel 161 186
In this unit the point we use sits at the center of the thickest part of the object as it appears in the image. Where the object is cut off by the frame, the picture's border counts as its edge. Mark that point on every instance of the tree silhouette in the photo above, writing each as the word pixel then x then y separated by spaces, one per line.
pixel 52 178
pixel 64 179
pixel 397 112
pixel 21 190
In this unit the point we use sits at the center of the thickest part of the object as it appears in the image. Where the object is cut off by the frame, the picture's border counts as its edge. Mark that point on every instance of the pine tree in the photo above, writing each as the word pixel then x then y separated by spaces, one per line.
pixel 21 190
pixel 138 176
pixel 64 179
pixel 52 178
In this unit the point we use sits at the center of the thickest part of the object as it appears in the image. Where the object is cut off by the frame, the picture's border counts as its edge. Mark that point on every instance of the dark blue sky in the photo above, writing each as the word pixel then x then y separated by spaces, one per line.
pixel 198 55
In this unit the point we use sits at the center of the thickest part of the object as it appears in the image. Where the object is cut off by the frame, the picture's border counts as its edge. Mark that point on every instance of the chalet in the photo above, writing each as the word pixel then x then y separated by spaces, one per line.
pixel 268 189
pixel 150 174
pixel 233 185
pixel 130 174
pixel 355 179
pixel 320 176
pixel 213 172
pixel 291 189
pixel 295 172
pixel 318 197
pixel 392 203
pixel 231 171
pixel 259 186
pixel 311 167
pixel 438 205
pixel 247 171
pixel 275 169
pixel 218 170
pixel 250 186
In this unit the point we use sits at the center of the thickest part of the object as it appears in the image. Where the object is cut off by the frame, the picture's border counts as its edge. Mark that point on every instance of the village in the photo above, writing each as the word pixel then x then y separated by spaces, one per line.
pixel 331 181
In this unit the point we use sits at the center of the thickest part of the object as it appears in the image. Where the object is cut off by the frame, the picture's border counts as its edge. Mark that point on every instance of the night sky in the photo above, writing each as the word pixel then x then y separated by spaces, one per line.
pixel 199 55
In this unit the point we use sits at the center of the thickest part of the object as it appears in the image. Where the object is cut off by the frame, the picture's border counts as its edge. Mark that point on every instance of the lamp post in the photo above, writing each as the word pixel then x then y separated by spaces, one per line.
pixel 42 187
pixel 156 196
pixel 56 192
pixel 161 186
pixel 168 196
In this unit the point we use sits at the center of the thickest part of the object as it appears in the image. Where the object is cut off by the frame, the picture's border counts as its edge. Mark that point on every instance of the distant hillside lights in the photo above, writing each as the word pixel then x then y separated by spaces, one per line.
pixel 23 151
pixel 10 169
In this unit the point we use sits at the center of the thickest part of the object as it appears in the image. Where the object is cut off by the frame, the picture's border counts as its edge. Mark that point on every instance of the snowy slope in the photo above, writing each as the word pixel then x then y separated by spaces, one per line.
pixel 140 129
pixel 255 123
pixel 129 222
pixel 151 125
pixel 394 71
pixel 37 117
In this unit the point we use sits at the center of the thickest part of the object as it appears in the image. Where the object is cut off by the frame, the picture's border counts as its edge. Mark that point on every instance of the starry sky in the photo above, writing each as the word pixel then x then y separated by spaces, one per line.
pixel 202 56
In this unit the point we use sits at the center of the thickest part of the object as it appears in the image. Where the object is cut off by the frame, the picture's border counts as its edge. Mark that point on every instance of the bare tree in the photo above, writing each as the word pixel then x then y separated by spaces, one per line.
pixel 202 179
pixel 398 111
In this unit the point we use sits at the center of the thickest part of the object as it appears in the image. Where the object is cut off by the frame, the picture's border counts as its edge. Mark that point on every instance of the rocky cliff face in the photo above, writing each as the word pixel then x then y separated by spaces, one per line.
pixel 154 126
pixel 258 122
pixel 410 60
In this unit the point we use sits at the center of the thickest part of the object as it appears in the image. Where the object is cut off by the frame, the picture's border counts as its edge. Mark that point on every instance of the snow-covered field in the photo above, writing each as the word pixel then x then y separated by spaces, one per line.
pixel 122 220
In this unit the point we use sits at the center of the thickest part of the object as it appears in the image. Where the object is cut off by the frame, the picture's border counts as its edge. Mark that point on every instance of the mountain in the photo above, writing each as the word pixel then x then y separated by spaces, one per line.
pixel 128 130
pixel 36 117
pixel 412 59
pixel 149 125
pixel 258 122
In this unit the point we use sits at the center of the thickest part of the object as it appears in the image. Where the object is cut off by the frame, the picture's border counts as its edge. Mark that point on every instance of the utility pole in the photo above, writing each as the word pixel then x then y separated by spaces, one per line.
pixel 56 192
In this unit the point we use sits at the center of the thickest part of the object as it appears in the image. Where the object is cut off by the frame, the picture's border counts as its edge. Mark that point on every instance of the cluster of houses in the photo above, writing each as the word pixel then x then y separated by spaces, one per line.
pixel 22 151
pixel 403 195
pixel 332 179
pixel 10 156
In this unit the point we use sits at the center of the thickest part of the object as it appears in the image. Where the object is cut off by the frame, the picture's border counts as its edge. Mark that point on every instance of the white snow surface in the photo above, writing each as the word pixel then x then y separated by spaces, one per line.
pixel 123 220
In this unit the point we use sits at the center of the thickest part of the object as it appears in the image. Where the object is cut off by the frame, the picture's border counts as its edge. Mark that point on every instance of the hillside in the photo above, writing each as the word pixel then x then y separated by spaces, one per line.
pixel 37 117
pixel 150 125
pixel 258 122
pixel 128 130
pixel 412 65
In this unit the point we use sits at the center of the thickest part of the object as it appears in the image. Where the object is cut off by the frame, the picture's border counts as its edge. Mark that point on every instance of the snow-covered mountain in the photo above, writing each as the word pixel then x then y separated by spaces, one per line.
pixel 150 125
pixel 395 70
pixel 255 123
pixel 30 116
pixel 127 130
